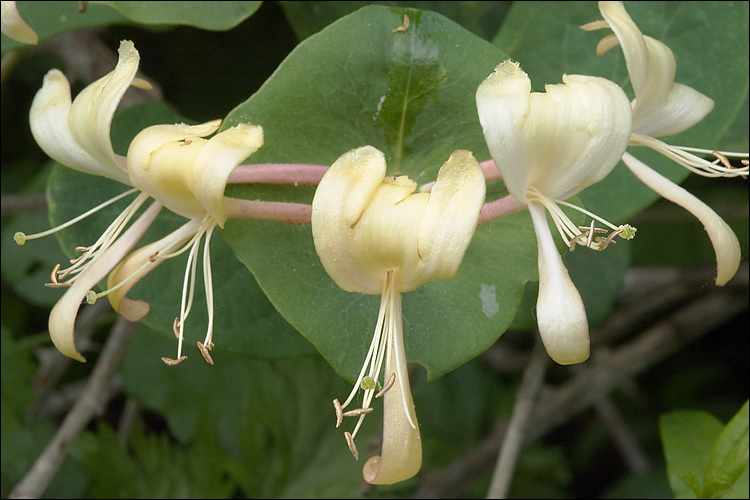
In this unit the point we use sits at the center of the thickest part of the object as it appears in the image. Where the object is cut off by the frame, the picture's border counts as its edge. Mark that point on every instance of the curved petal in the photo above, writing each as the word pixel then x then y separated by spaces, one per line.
pixel 449 222
pixel 577 132
pixel 401 454
pixel 138 264
pixel 660 107
pixel 503 101
pixel 344 192
pixel 14 27
pixel 385 236
pixel 187 173
pixel 561 316
pixel 63 316
pixel 217 160
pixel 51 129
pixel 651 73
pixel 558 142
pixel 93 109
pixel 683 108
pixel 725 243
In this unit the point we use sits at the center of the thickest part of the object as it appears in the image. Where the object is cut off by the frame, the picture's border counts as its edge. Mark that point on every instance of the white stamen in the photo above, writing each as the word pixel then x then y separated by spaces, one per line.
pixel 26 237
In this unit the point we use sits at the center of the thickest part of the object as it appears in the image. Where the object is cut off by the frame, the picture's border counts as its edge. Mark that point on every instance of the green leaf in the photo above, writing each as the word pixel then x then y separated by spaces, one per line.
pixel 687 437
pixel 410 94
pixel 275 418
pixel 244 320
pixel 50 19
pixel 218 16
pixel 729 456
pixel 154 466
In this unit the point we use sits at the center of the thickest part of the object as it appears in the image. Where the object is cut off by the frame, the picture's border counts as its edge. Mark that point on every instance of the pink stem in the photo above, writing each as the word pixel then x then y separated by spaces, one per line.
pixel 491 172
pixel 500 208
pixel 278 173
pixel 299 213
pixel 304 174
pixel 292 213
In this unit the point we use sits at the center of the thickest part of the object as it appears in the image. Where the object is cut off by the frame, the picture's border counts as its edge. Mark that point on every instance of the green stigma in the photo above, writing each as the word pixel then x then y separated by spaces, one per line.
pixel 628 231
pixel 91 297
pixel 368 383
pixel 20 238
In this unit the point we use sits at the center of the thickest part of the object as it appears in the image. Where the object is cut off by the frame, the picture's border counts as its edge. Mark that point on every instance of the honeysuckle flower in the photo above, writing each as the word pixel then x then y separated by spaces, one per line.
pixel 174 164
pixel 375 235
pixel 13 25
pixel 548 147
pixel 187 174
pixel 663 107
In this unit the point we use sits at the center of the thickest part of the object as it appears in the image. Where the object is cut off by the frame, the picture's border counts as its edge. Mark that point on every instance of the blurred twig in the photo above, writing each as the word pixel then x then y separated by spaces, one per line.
pixel 90 403
pixel 707 308
pixel 513 440
pixel 626 443
pixel 19 204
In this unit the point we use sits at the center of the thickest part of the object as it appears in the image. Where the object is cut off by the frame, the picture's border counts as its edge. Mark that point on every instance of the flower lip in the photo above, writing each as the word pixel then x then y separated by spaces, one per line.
pixel 14 27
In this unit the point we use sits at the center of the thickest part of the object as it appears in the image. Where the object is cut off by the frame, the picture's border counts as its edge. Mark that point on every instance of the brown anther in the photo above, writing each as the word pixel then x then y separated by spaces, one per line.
pixel 63 275
pixel 352 446
pixel 575 240
pixel 723 159
pixel 590 231
pixel 604 242
pixel 57 285
pixel 152 257
pixel 387 386
pixel 205 353
pixel 176 327
pixel 80 249
pixel 357 412
pixel 174 362
pixel 76 260
pixel 339 412
pixel 187 142
pixel 404 26
pixel 53 275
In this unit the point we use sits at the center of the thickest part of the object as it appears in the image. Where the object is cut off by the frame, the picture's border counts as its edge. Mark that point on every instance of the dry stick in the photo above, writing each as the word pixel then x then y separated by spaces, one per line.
pixel 626 442
pixel 52 366
pixel 20 204
pixel 90 403
pixel 605 372
pixel 533 377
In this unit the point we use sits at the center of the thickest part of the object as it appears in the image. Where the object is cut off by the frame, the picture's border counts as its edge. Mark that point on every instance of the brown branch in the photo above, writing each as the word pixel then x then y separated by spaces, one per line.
pixel 533 378
pixel 91 403
pixel 606 371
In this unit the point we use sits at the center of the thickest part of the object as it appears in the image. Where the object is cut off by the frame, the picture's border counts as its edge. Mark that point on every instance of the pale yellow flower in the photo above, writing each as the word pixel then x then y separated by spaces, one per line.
pixel 174 164
pixel 375 235
pixel 549 146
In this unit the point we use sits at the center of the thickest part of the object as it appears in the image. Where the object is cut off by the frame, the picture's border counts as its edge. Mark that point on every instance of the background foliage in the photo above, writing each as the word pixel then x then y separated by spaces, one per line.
pixel 322 78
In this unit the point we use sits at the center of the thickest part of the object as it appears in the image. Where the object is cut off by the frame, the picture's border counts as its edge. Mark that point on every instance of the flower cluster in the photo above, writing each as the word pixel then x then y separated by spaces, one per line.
pixel 173 164
pixel 377 234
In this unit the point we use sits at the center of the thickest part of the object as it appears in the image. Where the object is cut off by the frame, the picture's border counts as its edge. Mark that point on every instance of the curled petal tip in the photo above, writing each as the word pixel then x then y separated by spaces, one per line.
pixel 133 309
pixel 14 27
